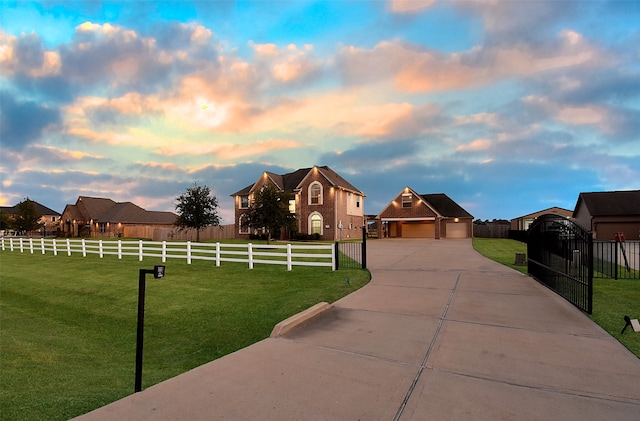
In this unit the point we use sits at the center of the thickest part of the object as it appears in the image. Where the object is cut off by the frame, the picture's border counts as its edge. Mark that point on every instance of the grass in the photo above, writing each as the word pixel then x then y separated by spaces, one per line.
pixel 501 250
pixel 68 324
pixel 612 299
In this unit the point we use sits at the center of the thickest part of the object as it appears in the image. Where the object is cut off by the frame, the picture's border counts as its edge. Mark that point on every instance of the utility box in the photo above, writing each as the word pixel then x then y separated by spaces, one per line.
pixel 521 259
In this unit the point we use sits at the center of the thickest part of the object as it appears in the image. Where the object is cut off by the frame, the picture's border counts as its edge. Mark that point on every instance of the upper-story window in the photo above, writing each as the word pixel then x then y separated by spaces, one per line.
pixel 315 193
pixel 244 202
pixel 406 200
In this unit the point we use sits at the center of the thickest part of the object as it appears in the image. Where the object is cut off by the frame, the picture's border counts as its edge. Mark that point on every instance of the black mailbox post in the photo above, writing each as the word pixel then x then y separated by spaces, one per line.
pixel 158 272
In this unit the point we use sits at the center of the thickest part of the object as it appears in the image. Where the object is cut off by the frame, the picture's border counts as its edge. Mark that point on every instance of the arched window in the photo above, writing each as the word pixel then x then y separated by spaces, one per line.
pixel 315 223
pixel 315 193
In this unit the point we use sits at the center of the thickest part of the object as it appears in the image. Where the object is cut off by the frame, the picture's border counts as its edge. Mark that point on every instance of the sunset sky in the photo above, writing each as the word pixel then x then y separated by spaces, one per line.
pixel 508 107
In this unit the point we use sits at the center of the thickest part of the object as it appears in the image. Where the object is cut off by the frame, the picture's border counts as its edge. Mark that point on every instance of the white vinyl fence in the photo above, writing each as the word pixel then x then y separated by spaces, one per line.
pixel 274 254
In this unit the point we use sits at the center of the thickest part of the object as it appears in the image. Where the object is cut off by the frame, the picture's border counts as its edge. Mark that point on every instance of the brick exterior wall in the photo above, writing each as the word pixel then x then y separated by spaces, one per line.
pixel 333 209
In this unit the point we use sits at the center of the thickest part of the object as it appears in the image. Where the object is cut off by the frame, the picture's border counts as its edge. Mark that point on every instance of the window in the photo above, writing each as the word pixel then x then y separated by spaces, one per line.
pixel 103 227
pixel 292 206
pixel 243 226
pixel 315 193
pixel 406 200
pixel 244 202
pixel 315 222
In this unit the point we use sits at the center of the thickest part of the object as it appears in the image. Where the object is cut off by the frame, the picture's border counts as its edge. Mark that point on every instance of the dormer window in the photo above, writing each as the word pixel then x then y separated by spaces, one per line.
pixel 315 193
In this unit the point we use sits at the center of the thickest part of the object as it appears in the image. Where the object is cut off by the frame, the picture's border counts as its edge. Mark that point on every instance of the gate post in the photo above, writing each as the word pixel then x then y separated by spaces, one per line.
pixel 336 254
pixel 364 247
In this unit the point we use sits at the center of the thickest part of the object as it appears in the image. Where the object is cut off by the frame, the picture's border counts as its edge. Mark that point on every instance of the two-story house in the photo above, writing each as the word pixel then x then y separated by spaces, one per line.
pixel 323 202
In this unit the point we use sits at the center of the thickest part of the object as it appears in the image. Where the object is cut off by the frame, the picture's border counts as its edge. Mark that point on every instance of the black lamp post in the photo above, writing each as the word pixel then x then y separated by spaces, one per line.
pixel 158 272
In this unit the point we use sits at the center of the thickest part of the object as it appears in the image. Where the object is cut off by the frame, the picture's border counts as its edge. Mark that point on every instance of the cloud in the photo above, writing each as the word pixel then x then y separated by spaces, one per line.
pixel 228 151
pixel 409 6
pixel 24 122
pixel 414 68
pixel 287 65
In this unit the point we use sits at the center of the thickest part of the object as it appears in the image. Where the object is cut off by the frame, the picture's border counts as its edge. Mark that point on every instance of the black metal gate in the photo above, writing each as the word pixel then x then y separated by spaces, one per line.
pixel 560 255
pixel 351 254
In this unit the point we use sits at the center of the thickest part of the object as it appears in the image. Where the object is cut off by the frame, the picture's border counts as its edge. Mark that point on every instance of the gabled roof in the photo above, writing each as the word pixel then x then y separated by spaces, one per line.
pixel 445 206
pixel 40 209
pixel 106 210
pixel 610 203
pixel 554 209
pixel 439 203
pixel 290 182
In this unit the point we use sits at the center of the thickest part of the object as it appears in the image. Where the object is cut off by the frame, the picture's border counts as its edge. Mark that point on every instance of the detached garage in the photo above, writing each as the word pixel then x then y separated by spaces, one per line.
pixel 413 215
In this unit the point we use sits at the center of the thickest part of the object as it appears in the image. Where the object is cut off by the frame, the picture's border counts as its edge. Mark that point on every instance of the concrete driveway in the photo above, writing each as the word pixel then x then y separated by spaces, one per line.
pixel 440 333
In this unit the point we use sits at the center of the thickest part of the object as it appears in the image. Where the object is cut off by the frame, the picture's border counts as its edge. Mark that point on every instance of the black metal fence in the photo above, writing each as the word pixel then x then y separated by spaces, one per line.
pixel 351 254
pixel 560 256
pixel 617 260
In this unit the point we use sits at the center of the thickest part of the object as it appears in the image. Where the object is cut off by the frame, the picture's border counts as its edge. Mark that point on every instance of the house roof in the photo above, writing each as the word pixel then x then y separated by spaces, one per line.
pixel 610 203
pixel 290 182
pixel 445 206
pixel 439 203
pixel 106 210
pixel 554 209
pixel 40 209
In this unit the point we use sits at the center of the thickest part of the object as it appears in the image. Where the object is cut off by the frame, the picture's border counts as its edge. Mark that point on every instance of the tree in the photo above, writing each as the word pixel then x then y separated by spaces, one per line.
pixel 26 217
pixel 270 211
pixel 197 209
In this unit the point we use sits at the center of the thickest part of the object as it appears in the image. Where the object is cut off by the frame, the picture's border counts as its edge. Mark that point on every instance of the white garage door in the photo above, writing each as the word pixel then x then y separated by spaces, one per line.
pixel 456 230
pixel 418 230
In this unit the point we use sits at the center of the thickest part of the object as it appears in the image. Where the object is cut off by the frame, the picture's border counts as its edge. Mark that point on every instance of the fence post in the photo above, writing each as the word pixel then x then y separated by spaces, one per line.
pixel 55 248
pixel 41 244
pixel 217 254
pixel 140 251
pixel 364 248
pixel 615 267
pixel 164 251
pixel 21 246
pixel 68 247
pixel 2 239
pixel 336 256
pixel 31 245
pixel 119 249
pixel 100 250
pixel 250 252
pixel 188 252
pixel 84 249
pixel 289 256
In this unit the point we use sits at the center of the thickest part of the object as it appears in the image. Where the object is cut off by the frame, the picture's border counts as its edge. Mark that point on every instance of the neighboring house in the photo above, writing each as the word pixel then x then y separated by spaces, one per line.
pixel 606 213
pixel 101 217
pixel 323 202
pixel 413 215
pixel 522 223
pixel 50 219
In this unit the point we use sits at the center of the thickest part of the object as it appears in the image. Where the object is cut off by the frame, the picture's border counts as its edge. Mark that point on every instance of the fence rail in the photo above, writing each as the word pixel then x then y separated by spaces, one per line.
pixel 271 254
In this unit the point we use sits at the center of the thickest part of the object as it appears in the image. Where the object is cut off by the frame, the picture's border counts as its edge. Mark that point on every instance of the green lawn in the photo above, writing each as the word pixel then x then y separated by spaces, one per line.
pixel 68 324
pixel 501 250
pixel 612 299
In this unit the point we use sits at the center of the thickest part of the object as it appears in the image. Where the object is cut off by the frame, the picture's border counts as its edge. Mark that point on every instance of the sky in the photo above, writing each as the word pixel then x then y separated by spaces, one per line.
pixel 508 107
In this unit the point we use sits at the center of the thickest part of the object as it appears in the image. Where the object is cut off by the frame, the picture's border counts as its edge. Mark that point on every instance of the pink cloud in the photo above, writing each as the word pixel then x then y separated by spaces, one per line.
pixel 229 151
pixel 416 69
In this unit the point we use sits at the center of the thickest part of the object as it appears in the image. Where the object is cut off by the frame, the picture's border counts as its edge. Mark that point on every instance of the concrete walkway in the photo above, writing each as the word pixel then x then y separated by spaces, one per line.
pixel 440 333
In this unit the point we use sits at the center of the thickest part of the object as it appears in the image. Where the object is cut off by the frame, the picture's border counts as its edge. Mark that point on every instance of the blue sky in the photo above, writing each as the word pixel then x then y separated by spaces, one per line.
pixel 508 107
